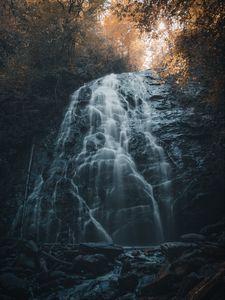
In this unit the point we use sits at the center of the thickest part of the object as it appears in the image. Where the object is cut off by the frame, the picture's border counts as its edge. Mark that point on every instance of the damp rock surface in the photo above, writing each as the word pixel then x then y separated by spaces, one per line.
pixel 175 270
pixel 135 162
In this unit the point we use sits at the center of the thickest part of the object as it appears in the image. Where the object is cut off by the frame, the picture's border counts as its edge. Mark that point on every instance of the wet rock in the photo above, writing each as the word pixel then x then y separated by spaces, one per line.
pixel 213 250
pixel 70 281
pixel 57 274
pixel 156 97
pixel 210 229
pixel 84 95
pixel 128 296
pixel 97 290
pixel 31 247
pixel 43 264
pixel 183 266
pixel 28 256
pixel 174 249
pixel 145 281
pixel 134 274
pixel 207 288
pixel 128 282
pixel 111 251
pixel 91 146
pixel 90 264
pixel 13 286
pixel 26 262
pixel 126 267
pixel 192 237
pixel 159 285
pixel 187 284
pixel 137 147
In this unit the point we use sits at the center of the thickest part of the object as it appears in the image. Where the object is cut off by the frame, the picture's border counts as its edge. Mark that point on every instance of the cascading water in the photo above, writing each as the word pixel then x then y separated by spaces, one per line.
pixel 97 188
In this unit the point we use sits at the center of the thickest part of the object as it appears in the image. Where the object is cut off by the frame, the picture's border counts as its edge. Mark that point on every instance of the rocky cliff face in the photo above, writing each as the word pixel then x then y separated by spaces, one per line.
pixel 149 162
pixel 192 134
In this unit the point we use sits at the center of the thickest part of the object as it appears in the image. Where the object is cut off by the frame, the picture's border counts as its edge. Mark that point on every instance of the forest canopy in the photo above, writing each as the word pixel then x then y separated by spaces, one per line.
pixel 48 48
pixel 191 34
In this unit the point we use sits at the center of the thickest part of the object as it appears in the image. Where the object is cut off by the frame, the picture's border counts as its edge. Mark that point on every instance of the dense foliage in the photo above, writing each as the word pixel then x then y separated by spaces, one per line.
pixel 195 37
pixel 48 49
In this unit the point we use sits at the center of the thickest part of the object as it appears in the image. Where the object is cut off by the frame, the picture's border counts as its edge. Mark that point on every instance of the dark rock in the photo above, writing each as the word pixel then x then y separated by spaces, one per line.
pixel 192 237
pixel 31 247
pixel 145 281
pixel 218 227
pixel 187 284
pixel 43 264
pixel 159 285
pixel 156 97
pixel 90 264
pixel 98 290
pixel 186 264
pixel 84 95
pixel 13 286
pixel 57 274
pixel 128 296
pixel 57 280
pixel 174 249
pixel 128 282
pixel 126 267
pixel 213 250
pixel 70 281
pixel 111 251
pixel 27 262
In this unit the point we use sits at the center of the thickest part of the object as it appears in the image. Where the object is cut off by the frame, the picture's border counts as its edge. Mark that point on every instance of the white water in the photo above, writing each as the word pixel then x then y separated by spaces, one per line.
pixel 95 190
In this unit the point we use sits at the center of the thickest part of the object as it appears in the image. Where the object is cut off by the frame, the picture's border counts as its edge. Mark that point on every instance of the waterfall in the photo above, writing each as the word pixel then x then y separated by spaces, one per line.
pixel 100 185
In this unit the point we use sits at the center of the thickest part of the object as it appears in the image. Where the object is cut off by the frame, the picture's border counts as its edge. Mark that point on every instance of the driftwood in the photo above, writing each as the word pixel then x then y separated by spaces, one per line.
pixel 29 172
pixel 200 291
pixel 27 186
pixel 55 259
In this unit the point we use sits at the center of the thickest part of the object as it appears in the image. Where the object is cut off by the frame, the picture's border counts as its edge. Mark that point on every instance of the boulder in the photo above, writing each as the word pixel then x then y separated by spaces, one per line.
pixel 95 264
pixel 192 237
pixel 14 286
pixel 157 285
pixel 128 296
pixel 128 282
pixel 109 250
pixel 84 95
pixel 213 228
pixel 174 249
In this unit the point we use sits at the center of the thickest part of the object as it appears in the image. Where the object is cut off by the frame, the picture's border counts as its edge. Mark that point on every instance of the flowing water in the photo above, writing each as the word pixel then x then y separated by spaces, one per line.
pixel 97 187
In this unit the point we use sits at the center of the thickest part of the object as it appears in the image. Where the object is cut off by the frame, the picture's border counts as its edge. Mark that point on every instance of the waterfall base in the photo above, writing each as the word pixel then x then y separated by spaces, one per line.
pixel 100 186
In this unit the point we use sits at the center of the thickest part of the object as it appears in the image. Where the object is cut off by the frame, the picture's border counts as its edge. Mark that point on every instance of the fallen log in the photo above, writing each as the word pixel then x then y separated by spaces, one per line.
pixel 200 291
pixel 55 259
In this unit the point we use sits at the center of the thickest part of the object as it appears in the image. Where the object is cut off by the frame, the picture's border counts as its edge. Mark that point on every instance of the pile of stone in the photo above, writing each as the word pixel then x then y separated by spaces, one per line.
pixel 192 268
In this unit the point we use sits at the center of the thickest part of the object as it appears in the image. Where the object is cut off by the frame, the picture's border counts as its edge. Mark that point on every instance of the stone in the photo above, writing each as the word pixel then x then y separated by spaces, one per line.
pixel 209 229
pixel 109 250
pixel 31 247
pixel 27 262
pixel 57 274
pixel 98 290
pixel 156 97
pixel 192 237
pixel 175 249
pixel 84 95
pixel 128 296
pixel 90 264
pixel 145 281
pixel 128 282
pixel 14 286
pixel 187 284
pixel 157 285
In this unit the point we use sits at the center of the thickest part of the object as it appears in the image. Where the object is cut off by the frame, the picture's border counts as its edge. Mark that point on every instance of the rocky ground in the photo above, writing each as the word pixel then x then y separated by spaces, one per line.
pixel 191 268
